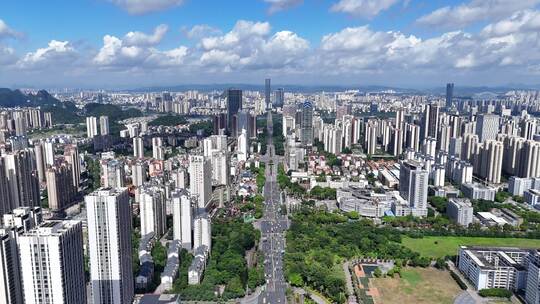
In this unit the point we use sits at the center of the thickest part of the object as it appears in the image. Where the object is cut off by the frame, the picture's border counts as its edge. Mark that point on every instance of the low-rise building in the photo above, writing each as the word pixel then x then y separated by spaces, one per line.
pixel 532 197
pixel 478 191
pixel 493 267
pixel 460 210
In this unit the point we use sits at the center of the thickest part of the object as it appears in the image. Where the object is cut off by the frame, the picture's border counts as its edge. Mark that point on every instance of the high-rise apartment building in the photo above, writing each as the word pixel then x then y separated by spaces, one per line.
pixel 491 161
pixel 60 189
pixel 104 125
pixel 152 211
pixel 182 218
pixel 138 147
pixel 200 179
pixel 71 155
pixel 10 274
pixel 52 263
pixel 109 239
pixel 91 126
pixel 430 122
pixel 22 179
pixel 487 126
pixel 279 97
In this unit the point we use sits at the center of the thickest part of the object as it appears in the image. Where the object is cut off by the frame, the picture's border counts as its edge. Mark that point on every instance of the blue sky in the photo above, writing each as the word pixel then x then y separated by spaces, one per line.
pixel 387 42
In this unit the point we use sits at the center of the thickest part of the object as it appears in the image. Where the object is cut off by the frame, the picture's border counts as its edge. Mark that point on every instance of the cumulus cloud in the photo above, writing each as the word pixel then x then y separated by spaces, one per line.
pixel 139 38
pixel 280 5
pixel 56 52
pixel 140 7
pixel 452 17
pixel 137 49
pixel 363 8
pixel 250 45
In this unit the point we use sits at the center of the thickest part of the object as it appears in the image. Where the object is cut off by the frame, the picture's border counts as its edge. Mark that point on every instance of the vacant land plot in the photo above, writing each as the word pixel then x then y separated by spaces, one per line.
pixel 417 285
pixel 440 246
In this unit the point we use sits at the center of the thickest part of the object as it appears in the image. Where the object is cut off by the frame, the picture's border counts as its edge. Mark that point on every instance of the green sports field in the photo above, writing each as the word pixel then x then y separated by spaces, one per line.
pixel 440 246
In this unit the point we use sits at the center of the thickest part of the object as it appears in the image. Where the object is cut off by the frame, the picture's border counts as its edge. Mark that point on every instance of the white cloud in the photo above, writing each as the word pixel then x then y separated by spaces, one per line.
pixel 477 10
pixel 280 5
pixel 250 45
pixel 362 8
pixel 56 52
pixel 139 7
pixel 138 38
pixel 136 50
pixel 200 31
pixel 6 31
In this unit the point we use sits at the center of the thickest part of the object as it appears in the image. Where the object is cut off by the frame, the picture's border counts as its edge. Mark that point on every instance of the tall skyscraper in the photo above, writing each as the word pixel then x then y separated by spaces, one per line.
pixel 109 239
pixel 267 92
pixel 306 124
pixel 487 126
pixel 104 125
pixel 157 148
pixel 449 95
pixel 279 97
pixel 413 185
pixel 200 179
pixel 91 126
pixel 52 263
pixel 182 218
pixel 234 104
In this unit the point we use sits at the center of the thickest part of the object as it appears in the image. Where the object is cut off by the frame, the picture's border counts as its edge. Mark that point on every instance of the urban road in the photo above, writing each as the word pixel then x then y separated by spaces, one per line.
pixel 273 227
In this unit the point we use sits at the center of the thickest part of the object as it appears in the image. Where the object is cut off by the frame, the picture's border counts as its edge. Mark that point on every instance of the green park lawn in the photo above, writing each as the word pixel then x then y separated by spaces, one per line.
pixel 440 246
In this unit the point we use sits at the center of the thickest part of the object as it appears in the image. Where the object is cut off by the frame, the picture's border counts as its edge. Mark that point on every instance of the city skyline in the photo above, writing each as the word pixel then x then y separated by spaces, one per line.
pixel 125 43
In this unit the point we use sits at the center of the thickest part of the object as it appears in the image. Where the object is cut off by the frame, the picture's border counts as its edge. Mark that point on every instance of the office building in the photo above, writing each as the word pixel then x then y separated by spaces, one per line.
pixel 52 263
pixel 279 97
pixel 234 104
pixel 449 95
pixel 91 127
pixel 460 211
pixel 306 124
pixel 487 127
pixel 104 125
pixel 267 91
pixel 200 180
pixel 182 218
pixel 109 239
pixel 413 185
